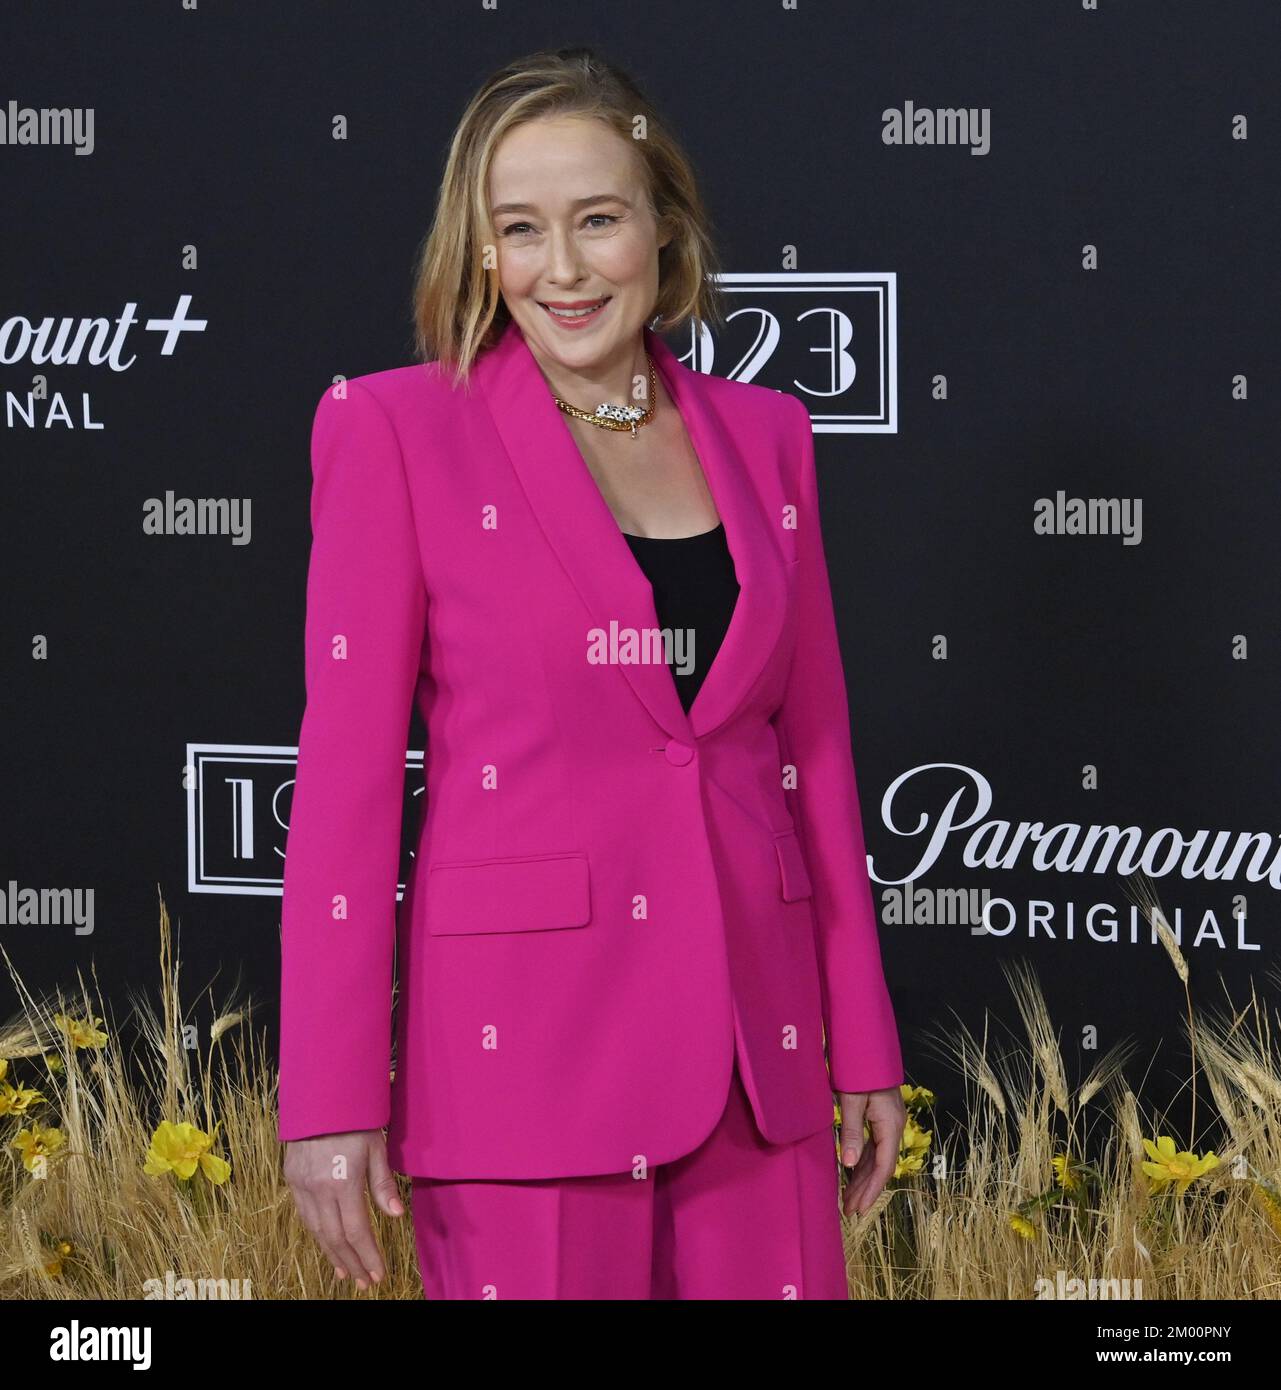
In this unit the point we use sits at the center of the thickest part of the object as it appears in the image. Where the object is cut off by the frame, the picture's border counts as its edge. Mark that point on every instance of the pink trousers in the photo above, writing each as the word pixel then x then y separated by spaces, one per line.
pixel 738 1218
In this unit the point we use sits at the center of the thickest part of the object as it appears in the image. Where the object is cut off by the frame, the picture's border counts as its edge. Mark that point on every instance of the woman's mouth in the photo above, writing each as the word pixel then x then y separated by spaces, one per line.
pixel 575 313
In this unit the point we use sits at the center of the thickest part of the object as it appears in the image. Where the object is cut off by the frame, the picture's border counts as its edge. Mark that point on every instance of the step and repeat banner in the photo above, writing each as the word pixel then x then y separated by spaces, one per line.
pixel 1018 261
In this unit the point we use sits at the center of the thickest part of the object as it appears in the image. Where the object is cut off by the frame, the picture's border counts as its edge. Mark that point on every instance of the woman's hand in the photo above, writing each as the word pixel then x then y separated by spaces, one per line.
pixel 328 1175
pixel 872 1161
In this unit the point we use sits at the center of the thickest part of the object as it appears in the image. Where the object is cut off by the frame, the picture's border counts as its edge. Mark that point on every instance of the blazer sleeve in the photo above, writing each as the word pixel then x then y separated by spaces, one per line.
pixel 813 726
pixel 365 624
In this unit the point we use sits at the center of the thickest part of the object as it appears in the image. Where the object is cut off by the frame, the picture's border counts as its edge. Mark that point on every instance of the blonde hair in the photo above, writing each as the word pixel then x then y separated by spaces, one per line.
pixel 458 310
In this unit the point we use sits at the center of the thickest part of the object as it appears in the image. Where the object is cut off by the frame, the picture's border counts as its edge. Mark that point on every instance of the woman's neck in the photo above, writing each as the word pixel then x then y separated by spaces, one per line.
pixel 613 380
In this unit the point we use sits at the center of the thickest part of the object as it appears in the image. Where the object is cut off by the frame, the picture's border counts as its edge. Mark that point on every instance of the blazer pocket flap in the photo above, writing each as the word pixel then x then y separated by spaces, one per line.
pixel 538 893
pixel 793 874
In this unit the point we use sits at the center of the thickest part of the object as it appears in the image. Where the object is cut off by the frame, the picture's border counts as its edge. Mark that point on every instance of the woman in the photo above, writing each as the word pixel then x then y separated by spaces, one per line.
pixel 639 904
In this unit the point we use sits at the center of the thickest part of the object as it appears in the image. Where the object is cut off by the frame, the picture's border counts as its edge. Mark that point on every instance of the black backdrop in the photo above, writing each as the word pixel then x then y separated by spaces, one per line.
pixel 1110 127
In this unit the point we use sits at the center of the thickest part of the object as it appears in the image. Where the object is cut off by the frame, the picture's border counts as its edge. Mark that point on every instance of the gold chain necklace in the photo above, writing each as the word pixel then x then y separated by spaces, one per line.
pixel 616 417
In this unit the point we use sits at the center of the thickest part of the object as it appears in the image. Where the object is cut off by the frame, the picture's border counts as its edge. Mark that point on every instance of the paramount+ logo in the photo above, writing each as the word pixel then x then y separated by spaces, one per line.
pixel 110 344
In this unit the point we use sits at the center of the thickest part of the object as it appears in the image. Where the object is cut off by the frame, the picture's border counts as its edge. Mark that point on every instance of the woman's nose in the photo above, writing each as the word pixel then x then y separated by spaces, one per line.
pixel 563 262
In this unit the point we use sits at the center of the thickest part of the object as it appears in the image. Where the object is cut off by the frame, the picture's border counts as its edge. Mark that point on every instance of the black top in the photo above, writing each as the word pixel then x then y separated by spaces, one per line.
pixel 695 589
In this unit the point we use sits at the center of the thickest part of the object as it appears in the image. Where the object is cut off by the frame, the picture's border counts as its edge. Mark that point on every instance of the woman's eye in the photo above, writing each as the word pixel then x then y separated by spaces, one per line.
pixel 520 228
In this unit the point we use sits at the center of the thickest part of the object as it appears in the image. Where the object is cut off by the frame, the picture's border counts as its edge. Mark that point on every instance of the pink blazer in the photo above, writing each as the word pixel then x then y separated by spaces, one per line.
pixel 606 892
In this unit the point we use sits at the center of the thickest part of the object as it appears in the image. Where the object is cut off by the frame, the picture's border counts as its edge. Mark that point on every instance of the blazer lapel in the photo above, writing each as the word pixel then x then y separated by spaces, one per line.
pixel 581 529
pixel 758 618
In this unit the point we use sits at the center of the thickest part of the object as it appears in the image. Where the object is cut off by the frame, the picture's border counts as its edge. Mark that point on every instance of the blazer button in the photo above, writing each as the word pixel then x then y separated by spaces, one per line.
pixel 677 753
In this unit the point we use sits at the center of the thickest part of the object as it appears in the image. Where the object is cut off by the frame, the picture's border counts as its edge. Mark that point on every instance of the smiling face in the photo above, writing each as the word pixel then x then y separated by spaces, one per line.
pixel 577 241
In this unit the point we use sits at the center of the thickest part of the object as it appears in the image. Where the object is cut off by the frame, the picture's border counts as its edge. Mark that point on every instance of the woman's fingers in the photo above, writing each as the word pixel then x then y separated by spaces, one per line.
pixel 334 1209
pixel 383 1187
pixel 359 1234
pixel 309 1215
pixel 853 1107
pixel 877 1160
pixel 336 1224
pixel 855 1199
pixel 319 1215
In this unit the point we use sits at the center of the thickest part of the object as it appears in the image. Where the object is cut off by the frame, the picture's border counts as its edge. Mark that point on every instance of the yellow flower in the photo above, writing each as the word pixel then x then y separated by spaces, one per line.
pixel 180 1149
pixel 60 1252
pixel 908 1163
pixel 82 1032
pixel 37 1143
pixel 53 1061
pixel 914 1096
pixel 1065 1170
pixel 912 1149
pixel 1020 1225
pixel 915 1139
pixel 4 1067
pixel 1169 1166
pixel 16 1100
